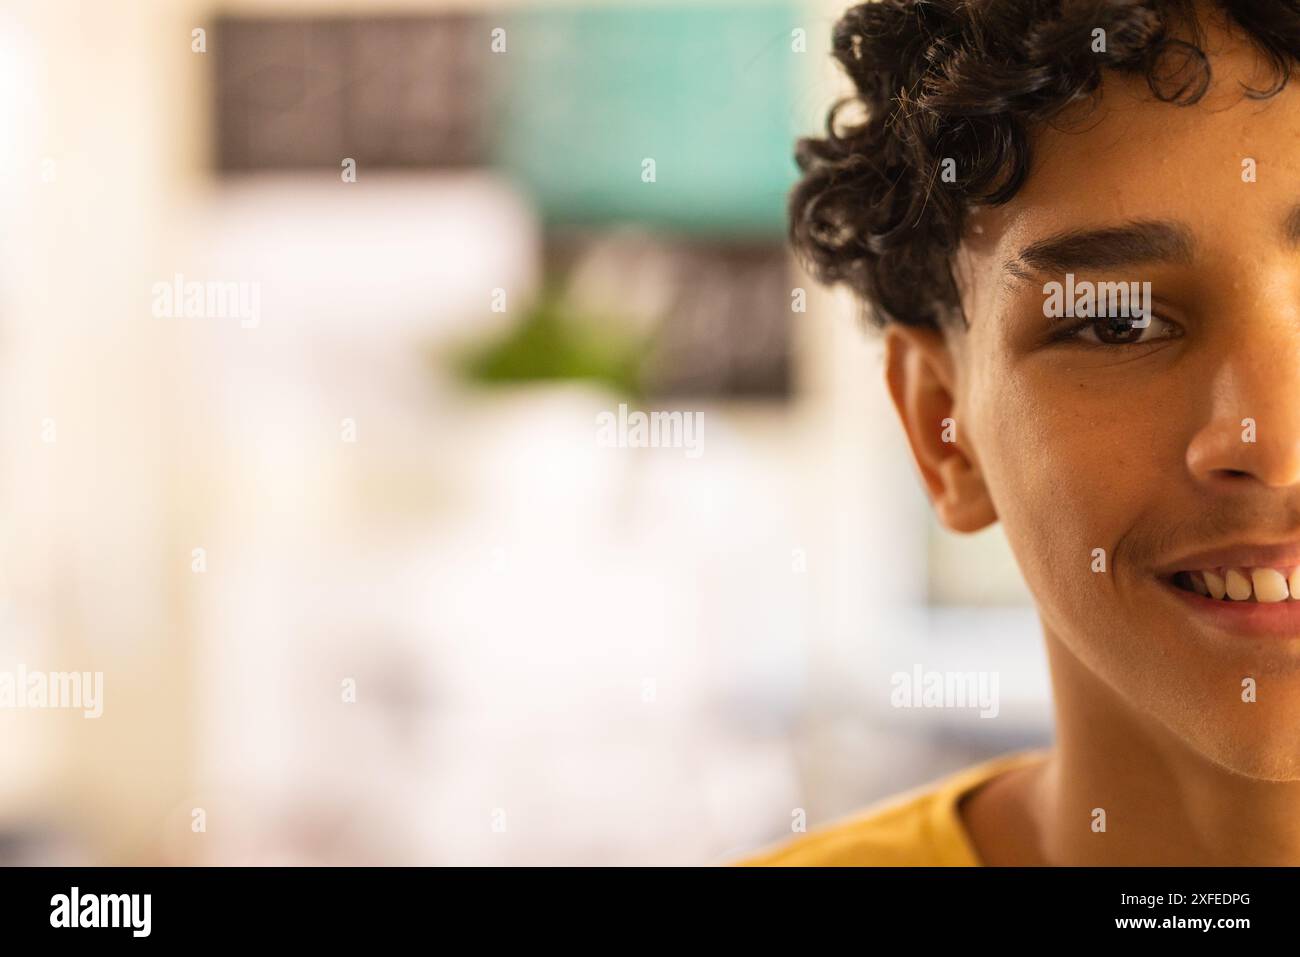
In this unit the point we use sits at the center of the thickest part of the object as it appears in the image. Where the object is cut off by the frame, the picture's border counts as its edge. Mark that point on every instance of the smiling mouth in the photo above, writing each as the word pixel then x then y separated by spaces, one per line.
pixel 1258 585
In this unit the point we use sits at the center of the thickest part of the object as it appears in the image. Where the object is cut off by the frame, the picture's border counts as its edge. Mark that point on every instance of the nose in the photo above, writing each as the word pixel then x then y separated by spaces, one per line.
pixel 1253 431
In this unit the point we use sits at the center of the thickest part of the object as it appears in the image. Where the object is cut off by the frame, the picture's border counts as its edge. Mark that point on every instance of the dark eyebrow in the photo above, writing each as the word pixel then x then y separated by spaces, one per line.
pixel 1128 244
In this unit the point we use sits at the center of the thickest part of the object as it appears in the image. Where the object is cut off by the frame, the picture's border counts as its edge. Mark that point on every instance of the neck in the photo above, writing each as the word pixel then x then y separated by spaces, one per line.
pixel 1165 804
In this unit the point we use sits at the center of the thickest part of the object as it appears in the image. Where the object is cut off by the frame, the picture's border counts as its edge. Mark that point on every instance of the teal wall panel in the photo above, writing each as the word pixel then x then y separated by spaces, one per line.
pixel 707 91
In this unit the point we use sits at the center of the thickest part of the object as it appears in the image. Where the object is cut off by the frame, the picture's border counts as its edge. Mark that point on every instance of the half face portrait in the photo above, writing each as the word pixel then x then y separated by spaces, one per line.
pixel 1076 227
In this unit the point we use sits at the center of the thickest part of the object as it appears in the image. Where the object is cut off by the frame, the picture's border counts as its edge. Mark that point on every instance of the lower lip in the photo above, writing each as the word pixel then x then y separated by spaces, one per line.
pixel 1269 619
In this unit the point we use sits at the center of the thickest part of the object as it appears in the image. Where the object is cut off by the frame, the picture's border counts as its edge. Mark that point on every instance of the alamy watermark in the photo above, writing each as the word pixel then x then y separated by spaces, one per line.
pixel 53 689
pixel 1099 300
pixel 130 911
pixel 635 429
pixel 945 689
pixel 210 299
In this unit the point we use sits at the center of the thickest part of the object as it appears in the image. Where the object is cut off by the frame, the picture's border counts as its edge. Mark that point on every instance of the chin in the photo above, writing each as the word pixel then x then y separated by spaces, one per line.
pixel 1262 746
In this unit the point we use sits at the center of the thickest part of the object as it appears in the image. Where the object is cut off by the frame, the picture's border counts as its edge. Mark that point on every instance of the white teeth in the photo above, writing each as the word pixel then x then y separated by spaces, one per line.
pixel 1215 583
pixel 1270 584
pixel 1264 584
pixel 1238 584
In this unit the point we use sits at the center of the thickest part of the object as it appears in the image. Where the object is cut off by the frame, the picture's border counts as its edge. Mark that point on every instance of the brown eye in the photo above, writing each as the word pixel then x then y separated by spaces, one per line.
pixel 1122 331
pixel 1117 331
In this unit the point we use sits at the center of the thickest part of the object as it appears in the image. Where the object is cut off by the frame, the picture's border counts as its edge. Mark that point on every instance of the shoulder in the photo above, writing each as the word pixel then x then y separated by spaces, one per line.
pixel 919 828
pixel 891 836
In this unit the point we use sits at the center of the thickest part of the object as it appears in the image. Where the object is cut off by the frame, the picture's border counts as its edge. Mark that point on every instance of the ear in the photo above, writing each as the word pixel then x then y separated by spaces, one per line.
pixel 920 373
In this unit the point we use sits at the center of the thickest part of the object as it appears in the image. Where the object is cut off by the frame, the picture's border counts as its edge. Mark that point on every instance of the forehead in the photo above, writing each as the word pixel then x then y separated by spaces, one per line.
pixel 1132 157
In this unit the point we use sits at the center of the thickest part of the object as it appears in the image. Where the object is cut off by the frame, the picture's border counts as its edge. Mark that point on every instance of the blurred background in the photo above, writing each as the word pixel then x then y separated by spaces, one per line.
pixel 364 584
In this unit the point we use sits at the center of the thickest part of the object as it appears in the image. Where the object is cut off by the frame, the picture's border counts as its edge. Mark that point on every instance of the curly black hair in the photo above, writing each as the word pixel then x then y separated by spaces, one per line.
pixel 969 79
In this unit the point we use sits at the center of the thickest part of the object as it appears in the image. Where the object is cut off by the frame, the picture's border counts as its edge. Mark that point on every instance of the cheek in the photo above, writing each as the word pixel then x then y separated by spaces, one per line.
pixel 1069 471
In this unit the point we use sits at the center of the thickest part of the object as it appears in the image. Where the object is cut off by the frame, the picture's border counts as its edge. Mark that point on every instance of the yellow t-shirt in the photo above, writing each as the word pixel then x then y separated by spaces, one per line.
pixel 919 828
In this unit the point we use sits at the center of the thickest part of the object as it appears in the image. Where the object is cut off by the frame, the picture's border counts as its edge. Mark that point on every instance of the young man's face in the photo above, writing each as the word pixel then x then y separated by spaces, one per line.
pixel 1140 449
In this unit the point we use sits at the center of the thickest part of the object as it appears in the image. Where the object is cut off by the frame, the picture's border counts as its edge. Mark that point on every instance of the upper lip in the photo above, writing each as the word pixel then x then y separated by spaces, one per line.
pixel 1282 555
